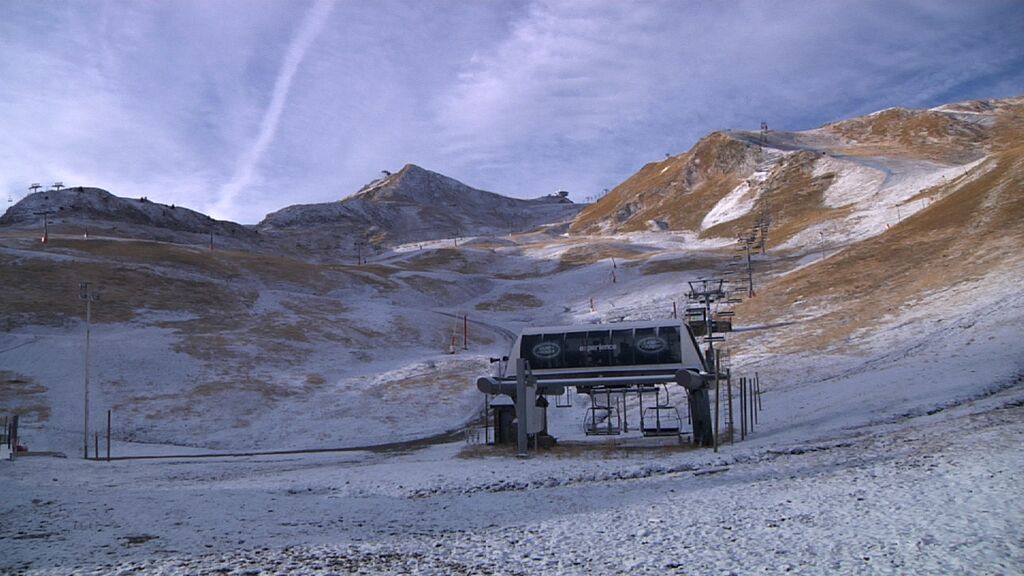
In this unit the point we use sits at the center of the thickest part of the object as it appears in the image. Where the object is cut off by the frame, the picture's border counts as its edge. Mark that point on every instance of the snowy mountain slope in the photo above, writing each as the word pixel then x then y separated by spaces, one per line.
pixel 846 180
pixel 414 205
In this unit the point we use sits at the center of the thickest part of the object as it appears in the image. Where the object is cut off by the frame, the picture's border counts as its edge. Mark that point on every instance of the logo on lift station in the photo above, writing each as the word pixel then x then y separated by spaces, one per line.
pixel 545 350
pixel 650 344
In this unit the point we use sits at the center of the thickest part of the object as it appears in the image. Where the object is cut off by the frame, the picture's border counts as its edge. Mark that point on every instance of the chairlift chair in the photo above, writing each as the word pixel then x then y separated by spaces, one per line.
pixel 662 419
pixel 602 419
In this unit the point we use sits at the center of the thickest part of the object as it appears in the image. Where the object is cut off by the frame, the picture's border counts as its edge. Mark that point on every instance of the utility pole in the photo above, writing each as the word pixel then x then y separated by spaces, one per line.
pixel 46 224
pixel 84 294
pixel 747 243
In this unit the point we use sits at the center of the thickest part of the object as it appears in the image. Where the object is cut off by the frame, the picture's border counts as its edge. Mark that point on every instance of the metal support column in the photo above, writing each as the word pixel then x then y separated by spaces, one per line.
pixel 521 407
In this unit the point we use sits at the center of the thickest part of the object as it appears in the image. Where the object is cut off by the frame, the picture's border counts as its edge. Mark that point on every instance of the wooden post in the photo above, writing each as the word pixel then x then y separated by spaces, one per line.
pixel 465 332
pixel 675 313
pixel 743 408
pixel 108 435
pixel 753 390
pixel 717 395
pixel 14 436
pixel 96 446
pixel 757 379
pixel 732 419
pixel 750 400
pixel 753 406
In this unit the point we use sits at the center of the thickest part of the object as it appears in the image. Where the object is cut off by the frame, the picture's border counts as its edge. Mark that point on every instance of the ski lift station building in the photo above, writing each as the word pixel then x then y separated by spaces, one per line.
pixel 600 358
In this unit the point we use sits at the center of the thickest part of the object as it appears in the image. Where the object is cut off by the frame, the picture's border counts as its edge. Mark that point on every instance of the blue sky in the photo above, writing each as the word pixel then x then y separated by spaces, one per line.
pixel 239 108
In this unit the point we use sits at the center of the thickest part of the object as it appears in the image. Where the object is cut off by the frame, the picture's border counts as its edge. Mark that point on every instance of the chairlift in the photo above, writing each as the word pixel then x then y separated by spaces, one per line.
pixel 602 419
pixel 662 419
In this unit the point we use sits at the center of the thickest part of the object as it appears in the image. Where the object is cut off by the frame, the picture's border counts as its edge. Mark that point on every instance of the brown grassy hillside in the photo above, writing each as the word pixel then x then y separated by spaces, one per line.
pixel 677 191
pixel 974 231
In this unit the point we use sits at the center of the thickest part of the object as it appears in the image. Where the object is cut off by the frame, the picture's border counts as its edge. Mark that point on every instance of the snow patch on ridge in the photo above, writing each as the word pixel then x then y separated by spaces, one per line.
pixel 735 204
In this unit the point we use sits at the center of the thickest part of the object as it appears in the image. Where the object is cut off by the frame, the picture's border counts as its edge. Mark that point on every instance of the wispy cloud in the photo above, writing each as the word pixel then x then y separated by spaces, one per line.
pixel 312 25
pixel 239 112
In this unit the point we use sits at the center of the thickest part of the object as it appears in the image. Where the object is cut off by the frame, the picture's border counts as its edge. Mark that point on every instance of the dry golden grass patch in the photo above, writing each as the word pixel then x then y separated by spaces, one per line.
pixel 684 263
pixel 145 251
pixel 922 134
pixel 274 326
pixel 256 387
pixel 451 379
pixel 220 264
pixel 439 259
pixel 376 276
pixel 435 288
pixel 20 395
pixel 584 254
pixel 317 307
pixel 511 301
pixel 42 291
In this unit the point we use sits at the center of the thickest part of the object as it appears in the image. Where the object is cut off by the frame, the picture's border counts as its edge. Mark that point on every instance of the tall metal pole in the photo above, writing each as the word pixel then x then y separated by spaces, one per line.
pixel 88 330
pixel 83 293
pixel 717 396
pixel 750 273
pixel 521 407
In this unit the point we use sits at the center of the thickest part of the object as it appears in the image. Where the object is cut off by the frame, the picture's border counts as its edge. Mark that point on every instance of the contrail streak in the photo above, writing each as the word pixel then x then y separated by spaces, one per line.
pixel 312 25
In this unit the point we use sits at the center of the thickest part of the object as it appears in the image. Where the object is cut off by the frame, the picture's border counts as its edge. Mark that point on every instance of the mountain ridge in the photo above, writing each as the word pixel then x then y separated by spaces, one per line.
pixel 822 177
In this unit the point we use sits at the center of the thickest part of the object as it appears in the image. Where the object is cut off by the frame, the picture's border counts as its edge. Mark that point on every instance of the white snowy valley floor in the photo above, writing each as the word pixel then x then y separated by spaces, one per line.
pixel 934 494
pixel 877 465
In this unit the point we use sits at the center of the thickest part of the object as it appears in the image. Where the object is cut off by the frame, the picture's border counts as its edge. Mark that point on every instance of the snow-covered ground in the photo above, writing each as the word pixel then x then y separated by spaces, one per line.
pixel 900 455
pixel 935 493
